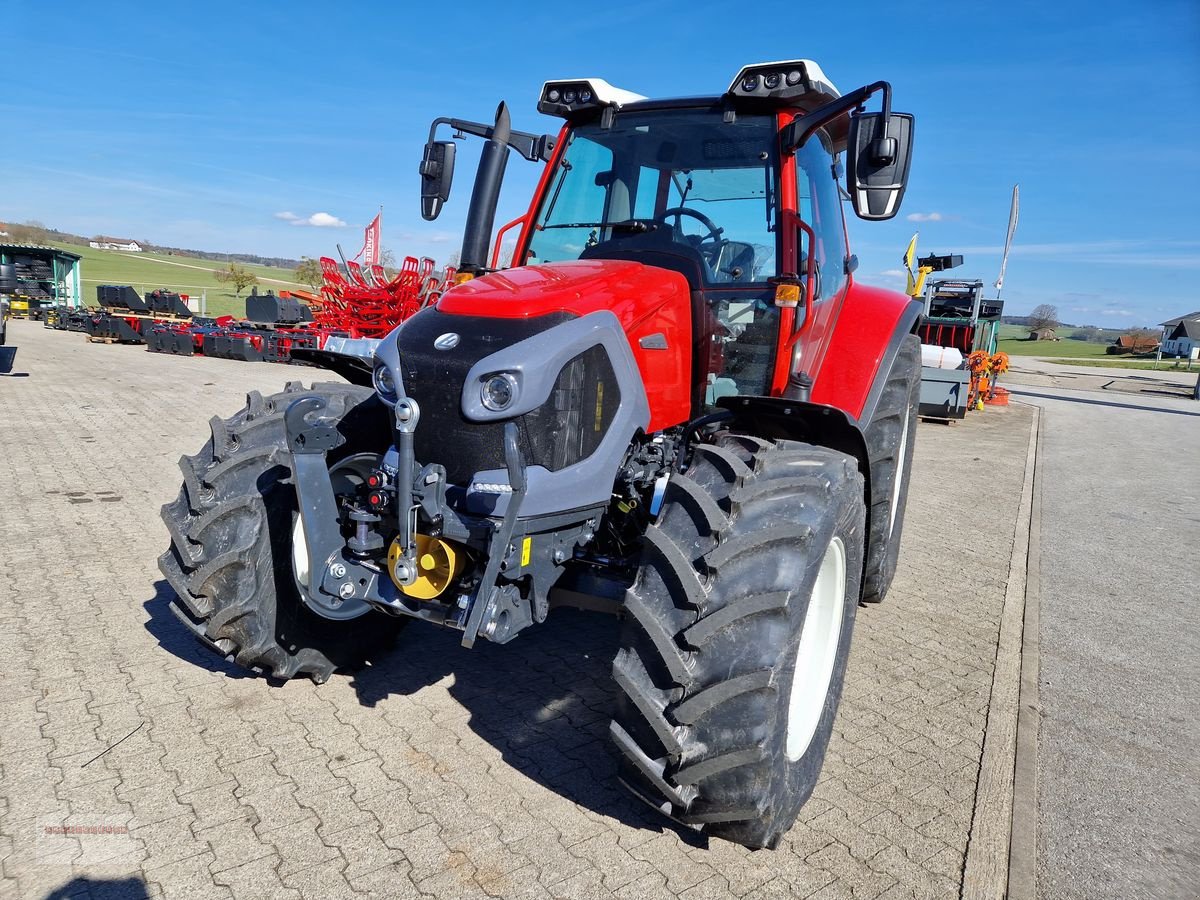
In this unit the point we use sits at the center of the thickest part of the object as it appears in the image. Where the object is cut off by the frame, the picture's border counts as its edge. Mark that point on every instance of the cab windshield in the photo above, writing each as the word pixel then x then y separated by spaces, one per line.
pixel 686 175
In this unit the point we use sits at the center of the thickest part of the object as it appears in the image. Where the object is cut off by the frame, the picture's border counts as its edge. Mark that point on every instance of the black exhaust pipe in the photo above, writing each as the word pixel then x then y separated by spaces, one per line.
pixel 481 217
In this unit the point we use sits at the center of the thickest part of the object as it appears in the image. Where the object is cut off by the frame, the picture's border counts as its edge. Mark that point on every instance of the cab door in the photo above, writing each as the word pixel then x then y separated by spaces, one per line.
pixel 820 254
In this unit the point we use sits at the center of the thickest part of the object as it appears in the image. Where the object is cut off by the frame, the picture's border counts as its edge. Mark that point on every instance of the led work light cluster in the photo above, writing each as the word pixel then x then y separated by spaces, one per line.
pixel 563 98
pixel 790 80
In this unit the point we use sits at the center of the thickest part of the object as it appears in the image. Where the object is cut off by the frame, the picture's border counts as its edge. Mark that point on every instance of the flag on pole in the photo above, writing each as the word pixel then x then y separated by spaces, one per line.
pixel 370 251
pixel 911 252
pixel 1012 228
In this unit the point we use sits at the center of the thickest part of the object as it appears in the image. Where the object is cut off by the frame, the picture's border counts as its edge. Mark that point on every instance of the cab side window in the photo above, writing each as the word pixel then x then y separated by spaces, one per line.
pixel 820 205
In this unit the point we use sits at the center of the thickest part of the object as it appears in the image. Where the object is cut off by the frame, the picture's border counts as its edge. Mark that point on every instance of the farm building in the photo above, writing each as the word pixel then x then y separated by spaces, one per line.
pixel 112 243
pixel 1182 338
pixel 1043 334
pixel 40 276
pixel 1133 343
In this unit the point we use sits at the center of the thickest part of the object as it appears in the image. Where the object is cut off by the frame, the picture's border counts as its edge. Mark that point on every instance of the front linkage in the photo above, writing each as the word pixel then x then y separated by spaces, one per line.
pixel 361 569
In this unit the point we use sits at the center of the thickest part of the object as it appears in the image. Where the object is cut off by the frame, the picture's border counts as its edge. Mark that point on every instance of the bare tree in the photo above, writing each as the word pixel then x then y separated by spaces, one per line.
pixel 1044 315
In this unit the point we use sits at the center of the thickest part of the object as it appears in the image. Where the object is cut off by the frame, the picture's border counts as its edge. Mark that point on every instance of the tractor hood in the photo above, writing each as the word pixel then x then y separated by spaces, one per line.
pixel 630 290
pixel 652 305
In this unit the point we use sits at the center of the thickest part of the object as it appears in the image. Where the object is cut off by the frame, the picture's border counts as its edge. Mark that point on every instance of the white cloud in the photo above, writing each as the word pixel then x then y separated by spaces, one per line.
pixel 893 273
pixel 926 217
pixel 316 220
pixel 1115 312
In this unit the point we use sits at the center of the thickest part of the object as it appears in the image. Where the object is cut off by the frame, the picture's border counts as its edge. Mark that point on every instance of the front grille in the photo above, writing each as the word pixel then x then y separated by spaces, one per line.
pixel 434 378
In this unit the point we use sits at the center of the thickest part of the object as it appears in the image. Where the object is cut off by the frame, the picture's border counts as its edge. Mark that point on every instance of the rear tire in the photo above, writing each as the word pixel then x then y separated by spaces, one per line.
pixel 232 526
pixel 890 441
pixel 736 635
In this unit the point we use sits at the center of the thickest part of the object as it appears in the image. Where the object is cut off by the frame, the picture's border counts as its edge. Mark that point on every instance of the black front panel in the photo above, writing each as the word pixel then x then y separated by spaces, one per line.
pixel 434 378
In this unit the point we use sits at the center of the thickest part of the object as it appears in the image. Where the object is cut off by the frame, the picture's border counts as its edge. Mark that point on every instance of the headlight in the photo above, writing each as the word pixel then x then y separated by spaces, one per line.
pixel 498 392
pixel 385 383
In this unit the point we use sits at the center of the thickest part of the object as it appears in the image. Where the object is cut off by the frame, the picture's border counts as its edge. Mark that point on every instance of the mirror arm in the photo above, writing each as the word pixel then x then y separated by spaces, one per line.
pixel 796 133
pixel 531 146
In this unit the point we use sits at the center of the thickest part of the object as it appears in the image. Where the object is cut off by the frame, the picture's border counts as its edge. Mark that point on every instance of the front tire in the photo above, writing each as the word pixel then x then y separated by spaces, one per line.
pixel 232 534
pixel 736 635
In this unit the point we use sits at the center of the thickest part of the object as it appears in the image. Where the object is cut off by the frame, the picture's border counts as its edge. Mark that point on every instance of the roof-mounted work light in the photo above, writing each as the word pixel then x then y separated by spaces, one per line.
pixel 795 82
pixel 565 98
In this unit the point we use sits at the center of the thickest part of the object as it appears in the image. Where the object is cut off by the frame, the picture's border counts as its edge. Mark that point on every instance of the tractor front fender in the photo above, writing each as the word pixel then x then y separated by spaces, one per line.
pixel 800 420
pixel 870 328
pixel 355 369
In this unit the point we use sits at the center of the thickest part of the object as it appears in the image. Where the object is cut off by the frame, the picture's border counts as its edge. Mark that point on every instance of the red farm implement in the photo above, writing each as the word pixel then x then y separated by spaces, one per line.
pixel 368 304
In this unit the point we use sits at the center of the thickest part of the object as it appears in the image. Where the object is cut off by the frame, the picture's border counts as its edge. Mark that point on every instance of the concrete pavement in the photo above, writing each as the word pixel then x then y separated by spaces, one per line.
pixel 135 763
pixel 1118 770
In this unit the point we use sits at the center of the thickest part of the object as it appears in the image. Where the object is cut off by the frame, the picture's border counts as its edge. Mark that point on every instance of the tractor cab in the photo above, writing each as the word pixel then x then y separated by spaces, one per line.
pixel 736 193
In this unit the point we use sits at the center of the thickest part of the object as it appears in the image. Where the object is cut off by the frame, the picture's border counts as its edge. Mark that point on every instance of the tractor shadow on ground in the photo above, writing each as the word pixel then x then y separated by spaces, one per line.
pixel 544 700
pixel 8 358
pixel 131 888
pixel 178 640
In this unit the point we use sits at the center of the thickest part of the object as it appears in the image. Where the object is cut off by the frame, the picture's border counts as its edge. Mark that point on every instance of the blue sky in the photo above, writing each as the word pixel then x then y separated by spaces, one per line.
pixel 199 125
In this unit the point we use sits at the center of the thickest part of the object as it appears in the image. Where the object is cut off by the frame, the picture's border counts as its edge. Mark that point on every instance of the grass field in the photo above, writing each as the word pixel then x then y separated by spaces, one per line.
pixel 1013 341
pixel 1117 362
pixel 1066 348
pixel 183 274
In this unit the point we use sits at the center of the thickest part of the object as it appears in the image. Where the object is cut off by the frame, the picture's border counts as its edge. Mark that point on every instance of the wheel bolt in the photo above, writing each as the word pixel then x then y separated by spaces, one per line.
pixel 346 591
pixel 337 570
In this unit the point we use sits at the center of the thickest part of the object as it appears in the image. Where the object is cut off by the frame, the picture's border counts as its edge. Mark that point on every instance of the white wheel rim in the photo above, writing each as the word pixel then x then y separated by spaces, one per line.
pixel 896 482
pixel 300 554
pixel 817 653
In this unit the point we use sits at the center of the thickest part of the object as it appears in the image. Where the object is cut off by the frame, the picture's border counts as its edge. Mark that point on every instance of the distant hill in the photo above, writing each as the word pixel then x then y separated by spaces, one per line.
pixel 35 233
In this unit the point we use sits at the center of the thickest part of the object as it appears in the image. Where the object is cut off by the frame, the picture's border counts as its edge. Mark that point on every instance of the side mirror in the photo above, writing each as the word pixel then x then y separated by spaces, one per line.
pixel 437 174
pixel 877 163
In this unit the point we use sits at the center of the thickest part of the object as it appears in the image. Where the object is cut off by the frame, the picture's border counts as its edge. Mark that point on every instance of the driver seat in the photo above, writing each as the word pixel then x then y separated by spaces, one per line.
pixel 734 263
pixel 654 248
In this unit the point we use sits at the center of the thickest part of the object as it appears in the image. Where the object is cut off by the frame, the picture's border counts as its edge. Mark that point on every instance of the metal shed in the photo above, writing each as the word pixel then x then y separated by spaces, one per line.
pixel 40 275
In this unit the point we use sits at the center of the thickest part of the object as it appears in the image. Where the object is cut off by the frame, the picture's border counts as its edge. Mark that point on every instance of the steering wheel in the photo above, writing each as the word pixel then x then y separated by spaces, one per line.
pixel 714 233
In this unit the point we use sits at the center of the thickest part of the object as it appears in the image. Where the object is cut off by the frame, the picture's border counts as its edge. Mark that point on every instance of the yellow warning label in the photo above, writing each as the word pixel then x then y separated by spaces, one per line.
pixel 599 421
pixel 525 551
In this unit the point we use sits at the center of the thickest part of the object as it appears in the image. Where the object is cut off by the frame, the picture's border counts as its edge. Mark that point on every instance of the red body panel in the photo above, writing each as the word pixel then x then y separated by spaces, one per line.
pixel 647 301
pixel 862 331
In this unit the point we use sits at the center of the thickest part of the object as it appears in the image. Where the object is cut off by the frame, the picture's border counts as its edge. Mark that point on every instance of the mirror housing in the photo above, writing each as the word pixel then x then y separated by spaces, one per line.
pixel 437 174
pixel 878 152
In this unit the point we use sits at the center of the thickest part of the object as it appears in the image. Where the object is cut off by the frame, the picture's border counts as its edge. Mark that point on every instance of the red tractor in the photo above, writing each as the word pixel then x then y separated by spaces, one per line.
pixel 676 405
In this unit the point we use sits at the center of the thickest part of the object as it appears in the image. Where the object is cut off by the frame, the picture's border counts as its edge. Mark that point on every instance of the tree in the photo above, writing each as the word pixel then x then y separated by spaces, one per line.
pixel 387 258
pixel 309 272
pixel 30 232
pixel 239 276
pixel 1090 333
pixel 1043 316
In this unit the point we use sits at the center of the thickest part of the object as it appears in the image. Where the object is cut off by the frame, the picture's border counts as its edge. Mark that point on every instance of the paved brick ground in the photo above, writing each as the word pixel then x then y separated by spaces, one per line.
pixel 439 772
